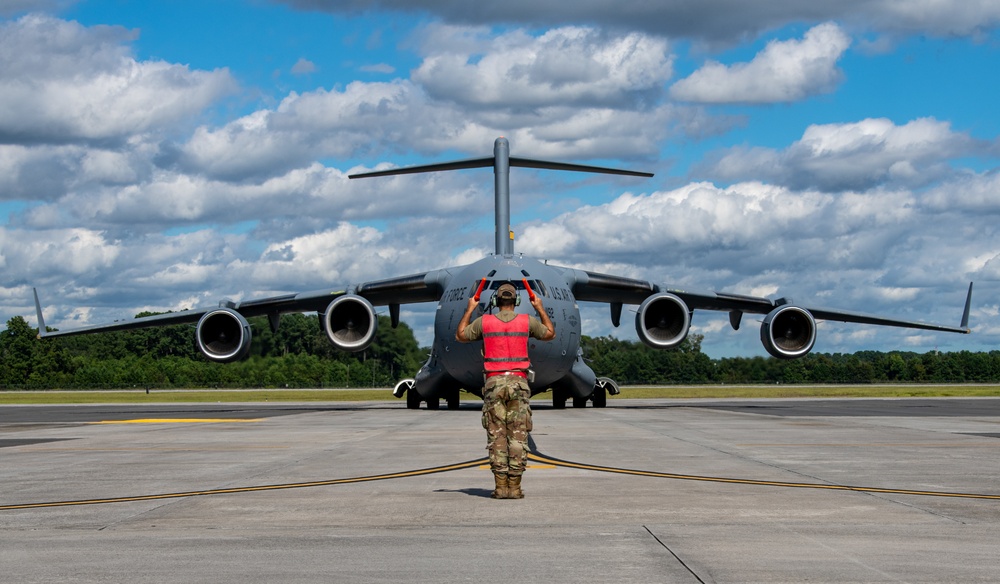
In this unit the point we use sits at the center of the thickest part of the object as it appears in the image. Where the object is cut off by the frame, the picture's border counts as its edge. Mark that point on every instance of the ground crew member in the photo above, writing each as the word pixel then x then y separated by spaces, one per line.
pixel 506 410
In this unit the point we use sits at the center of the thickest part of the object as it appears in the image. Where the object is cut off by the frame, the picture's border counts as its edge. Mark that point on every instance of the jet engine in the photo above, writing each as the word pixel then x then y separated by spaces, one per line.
pixel 663 321
pixel 350 323
pixel 223 335
pixel 788 332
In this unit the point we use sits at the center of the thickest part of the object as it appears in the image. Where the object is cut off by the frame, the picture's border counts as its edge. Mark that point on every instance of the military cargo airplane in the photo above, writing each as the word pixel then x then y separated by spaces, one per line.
pixel 348 317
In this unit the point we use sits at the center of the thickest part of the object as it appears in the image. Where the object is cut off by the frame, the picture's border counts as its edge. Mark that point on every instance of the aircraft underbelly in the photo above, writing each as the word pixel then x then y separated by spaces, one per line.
pixel 464 363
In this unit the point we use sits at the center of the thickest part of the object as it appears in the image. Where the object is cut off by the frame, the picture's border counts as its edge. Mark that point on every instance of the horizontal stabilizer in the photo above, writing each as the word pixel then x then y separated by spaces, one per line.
pixel 456 165
pixel 529 163
pixel 488 162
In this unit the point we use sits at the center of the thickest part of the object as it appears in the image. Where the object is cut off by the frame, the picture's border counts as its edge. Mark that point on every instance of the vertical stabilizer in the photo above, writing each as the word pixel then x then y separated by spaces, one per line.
pixel 501 190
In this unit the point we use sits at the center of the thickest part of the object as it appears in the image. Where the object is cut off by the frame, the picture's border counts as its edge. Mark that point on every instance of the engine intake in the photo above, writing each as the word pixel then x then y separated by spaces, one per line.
pixel 662 321
pixel 350 323
pixel 788 332
pixel 223 335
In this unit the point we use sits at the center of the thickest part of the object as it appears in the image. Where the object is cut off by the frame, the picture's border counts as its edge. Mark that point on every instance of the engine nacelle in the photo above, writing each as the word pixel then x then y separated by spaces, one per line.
pixel 350 323
pixel 663 321
pixel 788 332
pixel 223 335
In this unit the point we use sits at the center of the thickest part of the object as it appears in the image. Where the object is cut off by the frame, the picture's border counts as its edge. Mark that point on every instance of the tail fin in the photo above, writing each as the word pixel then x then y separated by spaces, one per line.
pixel 501 163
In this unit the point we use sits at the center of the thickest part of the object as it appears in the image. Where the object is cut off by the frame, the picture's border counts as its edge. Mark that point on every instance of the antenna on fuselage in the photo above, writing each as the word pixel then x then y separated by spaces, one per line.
pixel 501 163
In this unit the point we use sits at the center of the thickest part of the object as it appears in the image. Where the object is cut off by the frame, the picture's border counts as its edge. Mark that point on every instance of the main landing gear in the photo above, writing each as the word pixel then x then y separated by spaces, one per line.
pixel 413 398
pixel 602 388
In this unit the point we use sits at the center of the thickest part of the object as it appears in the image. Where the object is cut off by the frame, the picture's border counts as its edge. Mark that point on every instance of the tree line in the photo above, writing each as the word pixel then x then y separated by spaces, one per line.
pixel 297 355
pixel 300 355
pixel 633 363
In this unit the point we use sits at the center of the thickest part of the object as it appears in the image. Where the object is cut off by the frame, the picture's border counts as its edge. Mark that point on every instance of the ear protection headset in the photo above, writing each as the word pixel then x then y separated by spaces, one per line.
pixel 494 300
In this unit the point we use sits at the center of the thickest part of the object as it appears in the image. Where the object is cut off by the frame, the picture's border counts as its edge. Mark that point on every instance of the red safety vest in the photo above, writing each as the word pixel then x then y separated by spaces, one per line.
pixel 505 345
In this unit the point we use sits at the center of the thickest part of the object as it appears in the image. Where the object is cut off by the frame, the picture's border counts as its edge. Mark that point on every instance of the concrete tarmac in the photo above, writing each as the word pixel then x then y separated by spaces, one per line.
pixel 816 490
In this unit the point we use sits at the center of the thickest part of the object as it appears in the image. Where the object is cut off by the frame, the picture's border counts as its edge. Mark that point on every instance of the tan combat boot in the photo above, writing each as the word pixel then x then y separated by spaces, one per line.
pixel 514 492
pixel 502 489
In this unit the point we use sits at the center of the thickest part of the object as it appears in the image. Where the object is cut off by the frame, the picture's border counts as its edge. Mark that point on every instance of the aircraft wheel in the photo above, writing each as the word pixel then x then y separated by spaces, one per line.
pixel 412 399
pixel 433 403
pixel 454 400
pixel 579 402
pixel 600 397
pixel 558 399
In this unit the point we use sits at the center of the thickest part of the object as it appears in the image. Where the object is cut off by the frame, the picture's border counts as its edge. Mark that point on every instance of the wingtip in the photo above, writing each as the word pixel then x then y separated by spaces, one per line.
pixel 965 314
pixel 38 313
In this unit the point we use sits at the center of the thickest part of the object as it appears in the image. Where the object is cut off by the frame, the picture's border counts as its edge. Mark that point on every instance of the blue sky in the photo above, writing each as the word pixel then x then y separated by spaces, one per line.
pixel 160 155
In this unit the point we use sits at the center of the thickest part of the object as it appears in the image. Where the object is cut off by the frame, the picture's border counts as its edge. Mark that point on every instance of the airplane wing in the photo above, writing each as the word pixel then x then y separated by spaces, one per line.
pixel 758 305
pixel 348 314
pixel 264 306
pixel 663 318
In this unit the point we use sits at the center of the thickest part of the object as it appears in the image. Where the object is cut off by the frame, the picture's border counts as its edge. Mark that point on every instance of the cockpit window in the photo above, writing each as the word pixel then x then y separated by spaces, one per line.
pixel 536 285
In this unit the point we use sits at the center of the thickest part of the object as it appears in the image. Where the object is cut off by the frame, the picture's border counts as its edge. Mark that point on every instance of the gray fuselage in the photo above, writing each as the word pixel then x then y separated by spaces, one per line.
pixel 551 360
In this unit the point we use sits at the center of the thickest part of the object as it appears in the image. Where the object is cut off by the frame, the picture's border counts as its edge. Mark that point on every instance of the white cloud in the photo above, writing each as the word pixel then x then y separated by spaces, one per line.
pixel 64 82
pixel 857 155
pixel 344 253
pixel 47 172
pixel 669 228
pixel 573 66
pixel 63 253
pixel 784 71
pixel 304 127
pixel 714 21
pixel 977 194
pixel 829 250
pixel 606 87
pixel 120 278
pixel 168 199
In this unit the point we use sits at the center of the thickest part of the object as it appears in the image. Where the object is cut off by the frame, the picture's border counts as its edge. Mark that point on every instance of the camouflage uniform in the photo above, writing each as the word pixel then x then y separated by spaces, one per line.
pixel 506 410
pixel 507 420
